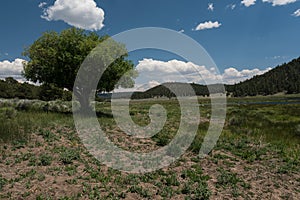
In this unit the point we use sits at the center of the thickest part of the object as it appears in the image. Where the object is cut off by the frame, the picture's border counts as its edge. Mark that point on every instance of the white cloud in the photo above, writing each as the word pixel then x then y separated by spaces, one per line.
pixel 211 7
pixel 179 71
pixel 279 2
pixel 138 87
pixel 232 75
pixel 11 69
pixel 208 25
pixel 79 13
pixel 153 83
pixel 248 3
pixel 231 6
pixel 42 4
pixel 296 13
pixel 147 86
pixel 170 67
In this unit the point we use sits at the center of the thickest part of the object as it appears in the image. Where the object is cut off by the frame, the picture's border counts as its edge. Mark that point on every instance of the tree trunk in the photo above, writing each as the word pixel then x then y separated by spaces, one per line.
pixel 83 98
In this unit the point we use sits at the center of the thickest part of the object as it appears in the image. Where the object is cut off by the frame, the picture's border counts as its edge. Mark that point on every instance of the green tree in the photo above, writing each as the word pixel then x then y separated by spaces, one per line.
pixel 55 58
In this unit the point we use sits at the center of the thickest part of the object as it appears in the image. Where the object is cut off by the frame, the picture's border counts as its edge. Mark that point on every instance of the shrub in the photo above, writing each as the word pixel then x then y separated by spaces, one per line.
pixel 8 113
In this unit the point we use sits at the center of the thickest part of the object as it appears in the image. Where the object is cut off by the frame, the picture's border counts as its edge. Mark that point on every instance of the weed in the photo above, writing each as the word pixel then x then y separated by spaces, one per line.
pixel 48 135
pixel 172 180
pixel 3 181
pixel 68 155
pixel 45 160
pixel 140 190
pixel 202 191
pixel 227 178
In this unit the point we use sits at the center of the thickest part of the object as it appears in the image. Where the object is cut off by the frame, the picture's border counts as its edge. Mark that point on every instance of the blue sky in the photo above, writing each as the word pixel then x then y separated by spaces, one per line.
pixel 243 35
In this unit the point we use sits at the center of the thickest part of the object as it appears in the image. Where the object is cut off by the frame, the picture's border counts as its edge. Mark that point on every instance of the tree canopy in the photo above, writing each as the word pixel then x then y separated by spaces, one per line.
pixel 55 58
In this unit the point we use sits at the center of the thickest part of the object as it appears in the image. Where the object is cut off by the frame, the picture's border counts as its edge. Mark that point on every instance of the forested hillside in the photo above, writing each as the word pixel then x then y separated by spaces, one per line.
pixel 284 78
pixel 179 89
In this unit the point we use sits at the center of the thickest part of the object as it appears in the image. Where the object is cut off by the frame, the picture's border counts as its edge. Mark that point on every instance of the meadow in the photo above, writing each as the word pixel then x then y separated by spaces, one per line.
pixel 256 157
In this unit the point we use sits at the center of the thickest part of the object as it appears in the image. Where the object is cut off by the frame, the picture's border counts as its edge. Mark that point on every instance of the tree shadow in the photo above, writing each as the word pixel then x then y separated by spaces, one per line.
pixel 101 114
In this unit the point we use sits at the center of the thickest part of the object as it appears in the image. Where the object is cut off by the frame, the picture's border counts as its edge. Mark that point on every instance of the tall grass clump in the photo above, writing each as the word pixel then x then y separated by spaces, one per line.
pixel 10 127
pixel 18 125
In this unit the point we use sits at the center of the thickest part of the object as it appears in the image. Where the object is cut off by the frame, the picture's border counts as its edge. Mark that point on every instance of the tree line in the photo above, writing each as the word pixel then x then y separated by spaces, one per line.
pixel 284 78
pixel 11 88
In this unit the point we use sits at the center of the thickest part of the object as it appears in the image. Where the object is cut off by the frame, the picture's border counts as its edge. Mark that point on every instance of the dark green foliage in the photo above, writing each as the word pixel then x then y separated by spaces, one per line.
pixel 48 92
pixel 177 89
pixel 284 78
pixel 45 160
pixel 10 88
pixel 55 58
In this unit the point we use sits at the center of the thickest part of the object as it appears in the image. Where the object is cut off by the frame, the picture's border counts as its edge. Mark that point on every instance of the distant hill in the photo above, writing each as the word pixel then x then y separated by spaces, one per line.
pixel 284 78
pixel 174 89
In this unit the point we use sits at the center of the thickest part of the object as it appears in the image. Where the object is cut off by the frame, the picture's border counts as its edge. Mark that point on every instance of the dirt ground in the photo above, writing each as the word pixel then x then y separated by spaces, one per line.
pixel 53 164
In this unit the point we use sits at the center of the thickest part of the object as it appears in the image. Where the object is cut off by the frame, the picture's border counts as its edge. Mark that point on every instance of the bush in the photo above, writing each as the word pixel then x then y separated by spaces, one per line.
pixel 8 113
pixel 58 106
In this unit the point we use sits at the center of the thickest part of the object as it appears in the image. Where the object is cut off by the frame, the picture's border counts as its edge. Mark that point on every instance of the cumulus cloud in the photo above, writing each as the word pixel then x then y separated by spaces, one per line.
pixel 279 2
pixel 148 85
pixel 296 13
pixel 181 31
pixel 11 69
pixel 78 13
pixel 169 67
pixel 248 3
pixel 232 75
pixel 208 25
pixel 179 71
pixel 210 7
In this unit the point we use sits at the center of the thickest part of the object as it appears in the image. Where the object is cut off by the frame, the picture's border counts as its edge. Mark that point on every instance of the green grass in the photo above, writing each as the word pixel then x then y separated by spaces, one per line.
pixel 18 125
pixel 41 150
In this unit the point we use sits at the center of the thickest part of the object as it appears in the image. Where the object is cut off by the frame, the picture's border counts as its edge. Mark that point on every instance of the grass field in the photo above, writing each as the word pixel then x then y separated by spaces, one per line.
pixel 257 155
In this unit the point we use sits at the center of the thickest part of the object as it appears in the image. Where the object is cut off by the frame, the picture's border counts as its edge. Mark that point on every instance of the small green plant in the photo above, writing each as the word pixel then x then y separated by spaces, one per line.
pixel 172 180
pixel 140 190
pixel 68 155
pixel 227 178
pixel 186 188
pixel 202 191
pixel 48 135
pixel 3 181
pixel 45 160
